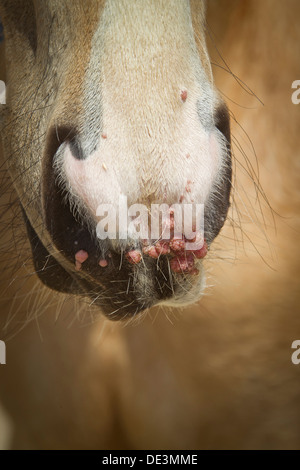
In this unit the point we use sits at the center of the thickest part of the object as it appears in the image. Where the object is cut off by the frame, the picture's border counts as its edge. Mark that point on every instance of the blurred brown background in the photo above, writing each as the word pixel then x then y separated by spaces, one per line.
pixel 217 374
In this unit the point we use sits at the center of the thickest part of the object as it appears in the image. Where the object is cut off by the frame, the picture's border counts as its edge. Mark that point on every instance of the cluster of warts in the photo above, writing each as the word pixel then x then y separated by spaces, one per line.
pixel 182 260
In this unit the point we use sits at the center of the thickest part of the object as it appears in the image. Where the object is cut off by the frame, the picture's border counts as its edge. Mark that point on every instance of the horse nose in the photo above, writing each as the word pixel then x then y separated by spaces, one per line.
pixel 130 273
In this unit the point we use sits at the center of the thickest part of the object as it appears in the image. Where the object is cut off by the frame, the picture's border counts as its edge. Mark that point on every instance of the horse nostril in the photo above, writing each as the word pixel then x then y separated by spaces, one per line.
pixel 222 121
pixel 69 232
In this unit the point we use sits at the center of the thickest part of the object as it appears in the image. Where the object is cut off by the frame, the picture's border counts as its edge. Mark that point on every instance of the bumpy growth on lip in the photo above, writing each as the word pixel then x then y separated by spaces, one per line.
pixel 80 257
pixel 182 259
pixel 177 245
pixel 103 263
pixel 134 256
pixel 162 247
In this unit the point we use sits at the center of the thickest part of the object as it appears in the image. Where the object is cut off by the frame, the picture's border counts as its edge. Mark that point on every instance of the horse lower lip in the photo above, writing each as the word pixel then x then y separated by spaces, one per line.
pixel 181 261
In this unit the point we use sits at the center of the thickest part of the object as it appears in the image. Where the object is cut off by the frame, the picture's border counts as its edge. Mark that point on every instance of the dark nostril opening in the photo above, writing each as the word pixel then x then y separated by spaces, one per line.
pixel 61 134
pixel 218 203
pixel 222 121
pixel 67 232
